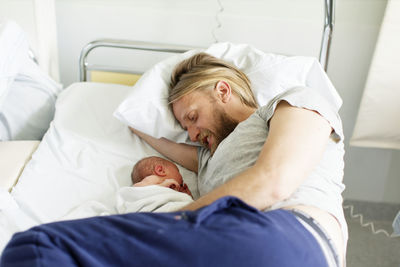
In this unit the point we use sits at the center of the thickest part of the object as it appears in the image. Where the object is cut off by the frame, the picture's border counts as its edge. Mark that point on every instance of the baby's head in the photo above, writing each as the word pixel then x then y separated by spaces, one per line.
pixel 156 170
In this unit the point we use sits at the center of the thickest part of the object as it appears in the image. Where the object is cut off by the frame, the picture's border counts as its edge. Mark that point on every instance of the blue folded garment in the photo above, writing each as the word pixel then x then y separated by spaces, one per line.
pixel 226 233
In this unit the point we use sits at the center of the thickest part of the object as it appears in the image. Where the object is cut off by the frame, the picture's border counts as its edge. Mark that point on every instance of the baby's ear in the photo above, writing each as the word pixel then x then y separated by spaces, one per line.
pixel 159 170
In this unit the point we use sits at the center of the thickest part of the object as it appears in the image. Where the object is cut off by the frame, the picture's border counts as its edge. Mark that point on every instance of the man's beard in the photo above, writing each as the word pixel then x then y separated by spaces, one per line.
pixel 224 125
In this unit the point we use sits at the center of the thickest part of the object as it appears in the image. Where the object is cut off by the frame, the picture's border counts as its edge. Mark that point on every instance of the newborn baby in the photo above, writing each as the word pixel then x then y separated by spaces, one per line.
pixel 158 171
pixel 145 195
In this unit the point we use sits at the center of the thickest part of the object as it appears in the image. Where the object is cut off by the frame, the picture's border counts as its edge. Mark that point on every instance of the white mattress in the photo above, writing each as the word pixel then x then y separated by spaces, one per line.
pixel 86 155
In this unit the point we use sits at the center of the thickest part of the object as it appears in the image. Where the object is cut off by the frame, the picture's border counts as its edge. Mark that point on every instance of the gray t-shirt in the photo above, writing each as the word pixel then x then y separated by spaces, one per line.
pixel 241 148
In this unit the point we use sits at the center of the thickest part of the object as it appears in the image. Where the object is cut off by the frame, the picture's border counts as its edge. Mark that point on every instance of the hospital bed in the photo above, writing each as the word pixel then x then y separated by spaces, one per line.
pixel 87 152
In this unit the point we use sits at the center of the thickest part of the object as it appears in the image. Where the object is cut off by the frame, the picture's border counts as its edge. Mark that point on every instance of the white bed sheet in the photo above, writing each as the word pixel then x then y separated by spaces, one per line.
pixel 86 155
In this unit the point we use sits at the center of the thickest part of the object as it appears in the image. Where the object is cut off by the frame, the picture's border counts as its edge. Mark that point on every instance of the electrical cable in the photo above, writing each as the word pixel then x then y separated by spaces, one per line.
pixel 217 19
pixel 366 224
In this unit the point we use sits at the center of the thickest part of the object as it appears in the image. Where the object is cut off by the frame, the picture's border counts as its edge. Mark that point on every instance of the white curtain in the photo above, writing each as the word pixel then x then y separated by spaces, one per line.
pixel 378 121
pixel 46 30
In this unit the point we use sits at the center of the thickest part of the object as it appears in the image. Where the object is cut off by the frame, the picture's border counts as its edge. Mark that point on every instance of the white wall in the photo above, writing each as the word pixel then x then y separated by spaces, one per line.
pixel 370 174
pixel 289 27
pixel 21 11
pixel 188 22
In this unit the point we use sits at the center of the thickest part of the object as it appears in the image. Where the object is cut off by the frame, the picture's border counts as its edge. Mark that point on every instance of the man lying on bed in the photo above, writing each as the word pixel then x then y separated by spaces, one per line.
pixel 284 158
pixel 277 156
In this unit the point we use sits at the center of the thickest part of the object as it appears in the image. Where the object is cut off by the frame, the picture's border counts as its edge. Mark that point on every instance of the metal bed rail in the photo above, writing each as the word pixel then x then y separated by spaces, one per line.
pixel 329 8
pixel 126 44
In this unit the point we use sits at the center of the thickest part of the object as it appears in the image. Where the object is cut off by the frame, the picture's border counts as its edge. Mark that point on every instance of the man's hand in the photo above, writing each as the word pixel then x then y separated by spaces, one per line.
pixel 185 155
pixel 185 189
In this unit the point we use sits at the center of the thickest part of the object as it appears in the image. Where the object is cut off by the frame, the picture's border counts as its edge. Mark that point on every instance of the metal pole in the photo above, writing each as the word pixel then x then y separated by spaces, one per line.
pixel 327 33
pixel 115 43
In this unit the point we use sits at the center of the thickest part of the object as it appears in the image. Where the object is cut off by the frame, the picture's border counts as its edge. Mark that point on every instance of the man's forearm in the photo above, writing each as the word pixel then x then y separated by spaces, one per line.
pixel 249 186
pixel 185 155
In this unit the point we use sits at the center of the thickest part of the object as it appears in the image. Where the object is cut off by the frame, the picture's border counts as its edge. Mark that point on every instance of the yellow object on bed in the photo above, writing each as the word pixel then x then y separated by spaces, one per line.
pixel 114 77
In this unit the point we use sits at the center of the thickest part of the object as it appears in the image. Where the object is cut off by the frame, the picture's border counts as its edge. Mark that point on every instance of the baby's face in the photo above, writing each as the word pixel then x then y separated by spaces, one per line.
pixel 162 181
pixel 175 182
pixel 172 172
pixel 167 176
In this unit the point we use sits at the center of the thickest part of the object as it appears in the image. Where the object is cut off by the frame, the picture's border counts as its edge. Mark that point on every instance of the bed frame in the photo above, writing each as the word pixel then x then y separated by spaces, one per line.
pixel 84 66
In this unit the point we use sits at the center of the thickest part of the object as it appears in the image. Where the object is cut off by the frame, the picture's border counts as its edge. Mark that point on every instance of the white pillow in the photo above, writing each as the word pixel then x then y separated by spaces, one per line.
pixel 29 105
pixel 29 94
pixel 146 107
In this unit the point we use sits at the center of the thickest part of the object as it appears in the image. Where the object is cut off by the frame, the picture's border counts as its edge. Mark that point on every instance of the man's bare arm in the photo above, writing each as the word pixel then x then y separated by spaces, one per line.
pixel 295 144
pixel 185 155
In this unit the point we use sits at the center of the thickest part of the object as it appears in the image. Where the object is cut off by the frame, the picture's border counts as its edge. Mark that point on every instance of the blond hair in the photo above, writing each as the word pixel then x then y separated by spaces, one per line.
pixel 202 72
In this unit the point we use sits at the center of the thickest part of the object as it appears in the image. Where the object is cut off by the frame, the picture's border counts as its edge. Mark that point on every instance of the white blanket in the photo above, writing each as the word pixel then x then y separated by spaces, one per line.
pixel 86 156
pixel 151 198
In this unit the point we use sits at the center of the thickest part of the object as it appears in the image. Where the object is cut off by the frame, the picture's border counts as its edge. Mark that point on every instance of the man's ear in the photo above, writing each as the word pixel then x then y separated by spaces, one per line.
pixel 223 91
pixel 159 170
